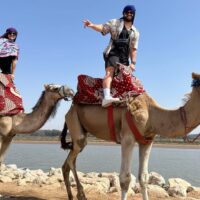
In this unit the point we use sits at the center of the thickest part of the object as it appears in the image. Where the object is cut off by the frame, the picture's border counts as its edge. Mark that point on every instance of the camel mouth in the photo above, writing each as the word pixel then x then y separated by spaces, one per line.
pixel 66 92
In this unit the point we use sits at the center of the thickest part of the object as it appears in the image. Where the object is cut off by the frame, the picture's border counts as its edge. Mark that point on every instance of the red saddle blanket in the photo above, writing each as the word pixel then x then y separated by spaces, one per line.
pixel 10 99
pixel 124 84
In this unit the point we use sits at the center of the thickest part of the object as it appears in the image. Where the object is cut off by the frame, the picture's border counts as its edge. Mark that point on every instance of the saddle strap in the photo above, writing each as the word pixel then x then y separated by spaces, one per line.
pixel 111 124
pixel 139 138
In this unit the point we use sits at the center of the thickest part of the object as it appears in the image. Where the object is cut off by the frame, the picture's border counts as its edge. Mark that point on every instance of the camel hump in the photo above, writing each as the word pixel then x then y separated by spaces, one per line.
pixel 195 75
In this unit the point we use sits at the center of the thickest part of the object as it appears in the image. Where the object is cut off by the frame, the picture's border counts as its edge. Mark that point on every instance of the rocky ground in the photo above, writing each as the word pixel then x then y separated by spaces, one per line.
pixel 25 184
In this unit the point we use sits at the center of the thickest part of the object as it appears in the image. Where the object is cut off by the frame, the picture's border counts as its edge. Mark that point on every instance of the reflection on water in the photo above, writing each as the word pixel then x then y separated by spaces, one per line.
pixel 169 162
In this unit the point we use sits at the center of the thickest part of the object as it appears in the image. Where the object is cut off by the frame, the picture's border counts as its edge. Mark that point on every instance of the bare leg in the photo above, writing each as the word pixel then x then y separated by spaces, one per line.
pixel 4 144
pixel 144 153
pixel 108 77
pixel 127 145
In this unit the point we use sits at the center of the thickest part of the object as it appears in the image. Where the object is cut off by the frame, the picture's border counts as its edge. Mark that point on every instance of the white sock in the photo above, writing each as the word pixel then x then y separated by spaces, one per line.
pixel 106 92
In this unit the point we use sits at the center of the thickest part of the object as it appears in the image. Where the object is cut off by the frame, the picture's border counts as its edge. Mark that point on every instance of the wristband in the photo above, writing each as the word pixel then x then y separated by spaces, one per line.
pixel 133 62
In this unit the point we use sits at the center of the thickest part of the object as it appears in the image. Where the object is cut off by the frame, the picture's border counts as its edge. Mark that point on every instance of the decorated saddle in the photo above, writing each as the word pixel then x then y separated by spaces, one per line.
pixel 124 84
pixel 10 99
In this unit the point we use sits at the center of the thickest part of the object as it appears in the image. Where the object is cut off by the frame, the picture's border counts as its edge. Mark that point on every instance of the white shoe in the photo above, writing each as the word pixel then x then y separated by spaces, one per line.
pixel 108 101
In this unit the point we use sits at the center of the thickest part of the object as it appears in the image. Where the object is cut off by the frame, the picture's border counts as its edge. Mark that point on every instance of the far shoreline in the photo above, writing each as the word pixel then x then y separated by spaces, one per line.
pixel 106 143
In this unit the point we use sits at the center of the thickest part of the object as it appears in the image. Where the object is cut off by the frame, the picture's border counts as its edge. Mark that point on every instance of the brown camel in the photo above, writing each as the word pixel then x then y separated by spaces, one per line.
pixel 28 123
pixel 150 120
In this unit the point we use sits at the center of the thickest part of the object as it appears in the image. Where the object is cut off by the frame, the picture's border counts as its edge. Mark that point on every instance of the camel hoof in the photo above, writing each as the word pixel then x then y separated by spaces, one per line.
pixel 70 197
pixel 81 197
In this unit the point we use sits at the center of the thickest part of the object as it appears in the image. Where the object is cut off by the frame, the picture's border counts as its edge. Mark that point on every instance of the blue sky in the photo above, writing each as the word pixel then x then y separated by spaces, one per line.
pixel 55 48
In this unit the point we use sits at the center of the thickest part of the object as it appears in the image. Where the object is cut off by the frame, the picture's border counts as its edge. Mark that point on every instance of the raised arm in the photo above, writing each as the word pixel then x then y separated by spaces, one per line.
pixel 96 27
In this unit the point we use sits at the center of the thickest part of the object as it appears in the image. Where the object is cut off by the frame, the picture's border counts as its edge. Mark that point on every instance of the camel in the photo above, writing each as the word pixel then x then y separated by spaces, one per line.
pixel 150 120
pixel 30 122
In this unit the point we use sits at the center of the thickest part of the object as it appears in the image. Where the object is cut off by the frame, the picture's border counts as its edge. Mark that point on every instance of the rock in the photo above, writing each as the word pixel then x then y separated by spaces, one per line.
pixel 137 188
pixel 178 187
pixel 177 190
pixel 12 166
pixel 157 191
pixel 113 178
pixel 54 171
pixel 2 167
pixel 178 181
pixel 21 182
pixel 51 180
pixel 5 179
pixel 156 179
pixel 80 174
pixel 37 172
pixel 10 174
pixel 39 180
pixel 100 183
pixel 133 181
pixel 113 189
pixel 92 174
pixel 190 189
pixel 28 176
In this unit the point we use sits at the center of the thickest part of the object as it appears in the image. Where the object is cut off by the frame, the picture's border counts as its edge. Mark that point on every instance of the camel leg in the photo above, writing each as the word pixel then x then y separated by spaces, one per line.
pixel 70 164
pixel 127 145
pixel 144 153
pixel 4 144
pixel 66 171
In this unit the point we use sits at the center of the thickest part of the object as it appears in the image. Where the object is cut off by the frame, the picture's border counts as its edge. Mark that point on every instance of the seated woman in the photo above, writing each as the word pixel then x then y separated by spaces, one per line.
pixel 9 52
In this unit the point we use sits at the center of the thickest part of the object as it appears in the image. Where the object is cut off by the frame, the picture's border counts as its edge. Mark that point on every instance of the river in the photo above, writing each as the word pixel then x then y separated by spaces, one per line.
pixel 169 162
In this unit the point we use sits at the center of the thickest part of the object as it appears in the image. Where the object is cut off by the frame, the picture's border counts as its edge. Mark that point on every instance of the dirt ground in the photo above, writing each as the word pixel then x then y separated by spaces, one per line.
pixel 11 191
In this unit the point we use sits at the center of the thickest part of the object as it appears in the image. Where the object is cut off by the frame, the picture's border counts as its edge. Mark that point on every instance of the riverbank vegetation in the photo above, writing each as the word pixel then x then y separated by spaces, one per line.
pixel 54 135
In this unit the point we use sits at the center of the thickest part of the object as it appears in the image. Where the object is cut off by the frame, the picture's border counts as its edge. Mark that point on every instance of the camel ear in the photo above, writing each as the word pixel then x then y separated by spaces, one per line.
pixel 46 86
pixel 195 76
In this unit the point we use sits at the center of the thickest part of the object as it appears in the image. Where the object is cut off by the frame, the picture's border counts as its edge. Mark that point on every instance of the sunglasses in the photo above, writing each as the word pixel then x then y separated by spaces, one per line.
pixel 12 33
pixel 129 12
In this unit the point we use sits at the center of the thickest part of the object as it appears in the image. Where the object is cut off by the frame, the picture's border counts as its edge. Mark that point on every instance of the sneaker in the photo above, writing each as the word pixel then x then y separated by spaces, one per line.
pixel 108 101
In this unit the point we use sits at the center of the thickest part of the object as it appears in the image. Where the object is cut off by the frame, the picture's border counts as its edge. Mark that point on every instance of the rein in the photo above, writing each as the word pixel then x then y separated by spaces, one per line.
pixel 111 124
pixel 187 128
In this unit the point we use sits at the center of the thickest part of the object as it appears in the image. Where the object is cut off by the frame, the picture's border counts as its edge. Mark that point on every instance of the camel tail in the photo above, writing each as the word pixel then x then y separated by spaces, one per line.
pixel 65 145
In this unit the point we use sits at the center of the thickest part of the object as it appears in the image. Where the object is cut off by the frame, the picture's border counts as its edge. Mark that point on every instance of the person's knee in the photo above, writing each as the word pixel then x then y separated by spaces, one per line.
pixel 110 71
pixel 108 76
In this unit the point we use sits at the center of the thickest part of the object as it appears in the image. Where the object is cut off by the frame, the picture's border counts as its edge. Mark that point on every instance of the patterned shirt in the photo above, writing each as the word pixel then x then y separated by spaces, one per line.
pixel 8 48
pixel 115 27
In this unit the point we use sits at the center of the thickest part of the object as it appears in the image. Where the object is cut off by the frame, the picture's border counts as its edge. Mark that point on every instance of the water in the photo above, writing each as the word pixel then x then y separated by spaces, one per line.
pixel 169 162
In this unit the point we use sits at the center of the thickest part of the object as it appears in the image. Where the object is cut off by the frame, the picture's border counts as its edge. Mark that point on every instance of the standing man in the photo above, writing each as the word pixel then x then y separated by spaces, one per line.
pixel 122 46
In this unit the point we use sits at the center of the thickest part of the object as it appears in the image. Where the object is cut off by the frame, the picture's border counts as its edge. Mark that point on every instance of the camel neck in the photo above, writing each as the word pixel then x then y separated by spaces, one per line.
pixel 170 123
pixel 27 123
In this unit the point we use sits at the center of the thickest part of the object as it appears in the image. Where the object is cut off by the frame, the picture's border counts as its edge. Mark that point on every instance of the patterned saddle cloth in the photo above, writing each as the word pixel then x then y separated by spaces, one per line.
pixel 10 99
pixel 124 84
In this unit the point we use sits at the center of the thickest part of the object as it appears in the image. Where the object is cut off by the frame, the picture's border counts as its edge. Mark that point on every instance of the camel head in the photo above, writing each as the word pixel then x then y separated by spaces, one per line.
pixel 64 91
pixel 196 79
